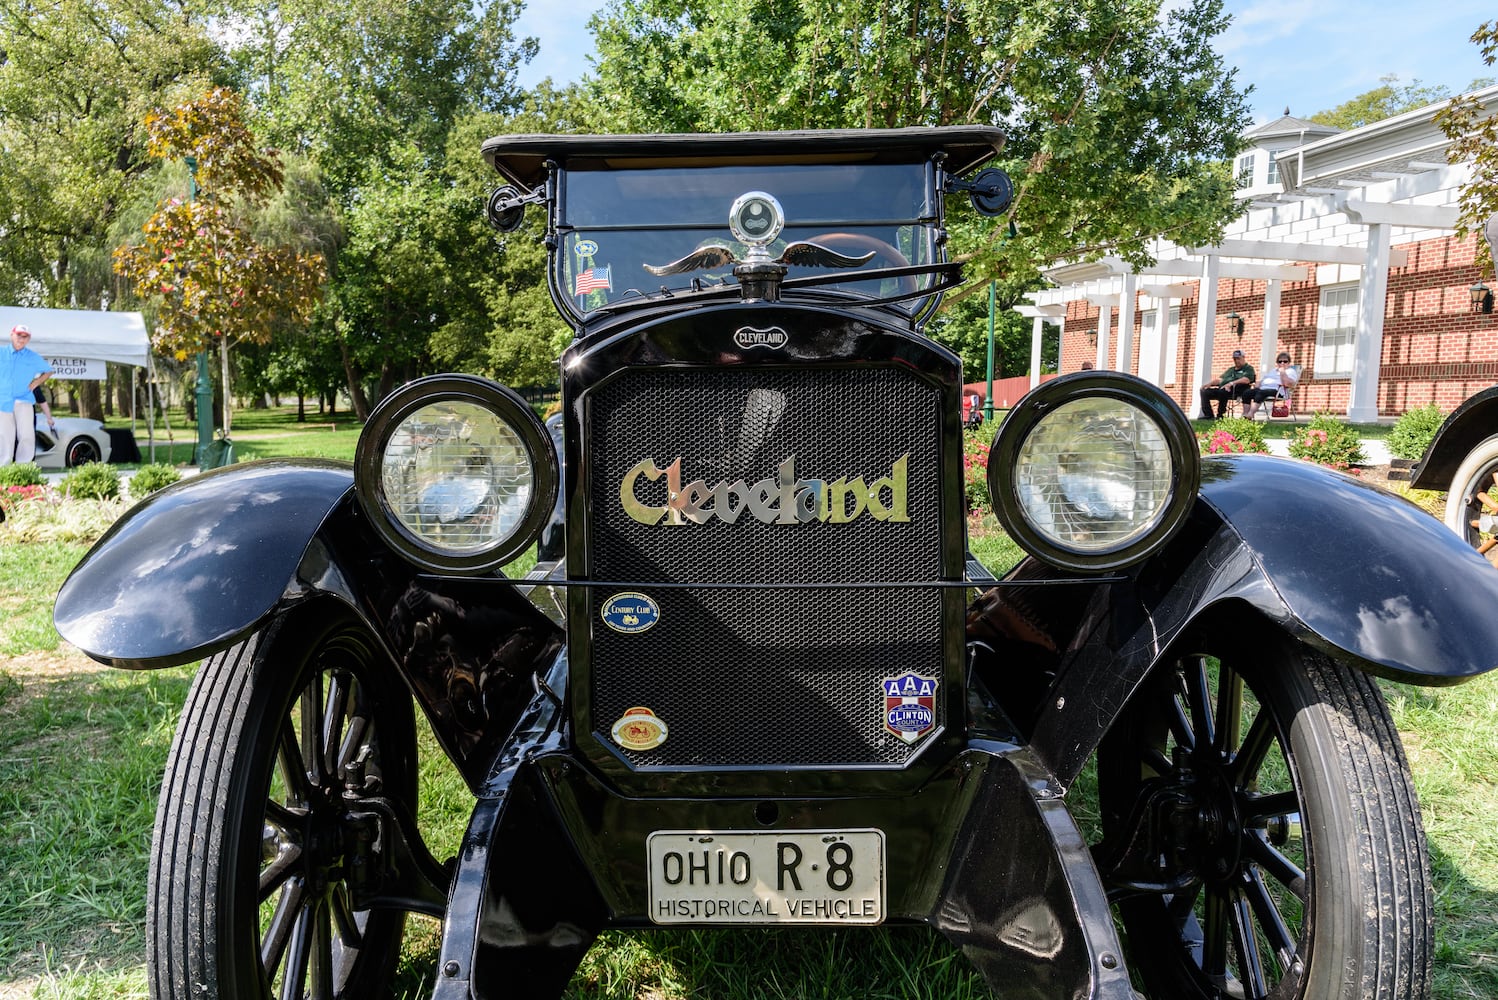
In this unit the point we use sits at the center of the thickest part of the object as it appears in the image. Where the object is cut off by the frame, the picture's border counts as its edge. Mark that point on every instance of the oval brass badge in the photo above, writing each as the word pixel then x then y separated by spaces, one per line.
pixel 639 729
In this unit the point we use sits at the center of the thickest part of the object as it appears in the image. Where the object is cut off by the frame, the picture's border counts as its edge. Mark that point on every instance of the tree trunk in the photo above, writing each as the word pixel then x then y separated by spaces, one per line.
pixel 122 386
pixel 90 406
pixel 355 390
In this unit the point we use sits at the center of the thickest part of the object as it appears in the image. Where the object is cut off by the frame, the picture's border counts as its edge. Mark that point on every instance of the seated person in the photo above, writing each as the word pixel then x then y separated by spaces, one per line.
pixel 1231 384
pixel 1277 382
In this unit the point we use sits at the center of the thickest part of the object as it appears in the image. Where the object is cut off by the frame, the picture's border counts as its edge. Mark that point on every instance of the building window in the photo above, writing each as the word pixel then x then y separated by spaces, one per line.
pixel 1274 170
pixel 1336 331
pixel 1246 170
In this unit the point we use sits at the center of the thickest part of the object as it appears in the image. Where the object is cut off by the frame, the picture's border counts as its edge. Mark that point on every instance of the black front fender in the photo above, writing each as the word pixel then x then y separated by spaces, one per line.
pixel 1360 574
pixel 1367 572
pixel 1469 424
pixel 195 567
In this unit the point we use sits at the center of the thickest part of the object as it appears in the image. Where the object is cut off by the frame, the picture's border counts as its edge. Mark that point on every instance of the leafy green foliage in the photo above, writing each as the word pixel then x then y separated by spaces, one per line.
pixel 1388 99
pixel 1414 431
pixel 92 481
pixel 1474 137
pixel 200 262
pixel 975 446
pixel 1120 114
pixel 1328 441
pixel 76 78
pixel 21 474
pixel 375 95
pixel 150 478
pixel 962 327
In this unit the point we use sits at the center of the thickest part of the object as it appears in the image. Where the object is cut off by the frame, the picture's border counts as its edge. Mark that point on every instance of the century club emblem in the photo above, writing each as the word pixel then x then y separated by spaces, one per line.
pixel 909 705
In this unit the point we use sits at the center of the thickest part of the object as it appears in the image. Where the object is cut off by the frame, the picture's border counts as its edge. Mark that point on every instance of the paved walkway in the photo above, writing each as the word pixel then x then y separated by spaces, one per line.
pixel 1375 452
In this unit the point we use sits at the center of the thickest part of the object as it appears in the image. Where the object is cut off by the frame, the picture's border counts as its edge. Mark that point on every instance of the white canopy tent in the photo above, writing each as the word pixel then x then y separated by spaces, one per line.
pixel 84 335
pixel 77 342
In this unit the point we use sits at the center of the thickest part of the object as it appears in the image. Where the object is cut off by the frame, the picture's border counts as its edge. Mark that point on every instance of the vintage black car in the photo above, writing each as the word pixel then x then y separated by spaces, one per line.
pixel 755 678
pixel 1462 461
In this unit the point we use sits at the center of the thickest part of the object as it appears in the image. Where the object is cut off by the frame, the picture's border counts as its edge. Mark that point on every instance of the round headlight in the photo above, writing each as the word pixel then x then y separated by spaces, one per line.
pixel 456 473
pixel 1094 471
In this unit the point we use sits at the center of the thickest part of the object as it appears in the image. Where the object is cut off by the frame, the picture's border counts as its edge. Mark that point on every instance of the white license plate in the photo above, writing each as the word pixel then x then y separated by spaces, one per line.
pixel 781 877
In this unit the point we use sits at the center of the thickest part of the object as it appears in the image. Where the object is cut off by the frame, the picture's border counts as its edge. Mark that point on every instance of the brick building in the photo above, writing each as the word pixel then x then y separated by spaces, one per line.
pixel 1344 256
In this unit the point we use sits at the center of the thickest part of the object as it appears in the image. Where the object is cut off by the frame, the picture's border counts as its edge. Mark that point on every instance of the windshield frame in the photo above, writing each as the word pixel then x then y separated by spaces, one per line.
pixel 584 220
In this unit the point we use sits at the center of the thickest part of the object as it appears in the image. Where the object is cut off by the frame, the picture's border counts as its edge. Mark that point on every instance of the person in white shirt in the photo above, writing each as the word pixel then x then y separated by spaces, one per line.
pixel 1278 378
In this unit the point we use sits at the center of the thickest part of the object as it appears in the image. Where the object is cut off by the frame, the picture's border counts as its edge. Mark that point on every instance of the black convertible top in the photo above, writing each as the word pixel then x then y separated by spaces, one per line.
pixel 522 158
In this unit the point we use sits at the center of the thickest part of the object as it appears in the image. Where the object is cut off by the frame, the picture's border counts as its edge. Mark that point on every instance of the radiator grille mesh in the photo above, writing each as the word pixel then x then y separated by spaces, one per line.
pixel 748 676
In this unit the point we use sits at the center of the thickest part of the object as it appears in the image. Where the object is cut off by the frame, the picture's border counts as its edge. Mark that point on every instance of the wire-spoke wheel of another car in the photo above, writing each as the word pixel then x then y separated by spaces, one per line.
pixel 81 451
pixel 1472 500
pixel 1261 837
pixel 289 742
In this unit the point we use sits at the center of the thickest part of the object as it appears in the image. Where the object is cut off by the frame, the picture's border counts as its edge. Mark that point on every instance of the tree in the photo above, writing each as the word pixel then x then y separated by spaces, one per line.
pixel 1474 136
pixel 1121 117
pixel 76 78
pixel 1384 101
pixel 211 279
pixel 963 328
pixel 356 86
pixel 371 94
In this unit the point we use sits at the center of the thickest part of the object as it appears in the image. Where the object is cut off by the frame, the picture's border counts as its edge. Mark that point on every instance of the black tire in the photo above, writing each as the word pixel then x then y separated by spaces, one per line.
pixel 1278 855
pixel 244 784
pixel 1472 500
pixel 81 451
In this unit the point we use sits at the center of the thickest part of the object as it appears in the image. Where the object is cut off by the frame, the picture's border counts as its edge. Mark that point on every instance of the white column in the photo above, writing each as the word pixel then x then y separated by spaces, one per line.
pixel 1035 335
pixel 1104 320
pixel 1152 347
pixel 1125 353
pixel 1206 325
pixel 1368 350
pixel 1271 325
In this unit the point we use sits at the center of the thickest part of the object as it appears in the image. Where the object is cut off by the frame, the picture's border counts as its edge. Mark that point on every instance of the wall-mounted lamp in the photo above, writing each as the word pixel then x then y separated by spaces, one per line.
pixel 1235 323
pixel 1482 297
pixel 1092 337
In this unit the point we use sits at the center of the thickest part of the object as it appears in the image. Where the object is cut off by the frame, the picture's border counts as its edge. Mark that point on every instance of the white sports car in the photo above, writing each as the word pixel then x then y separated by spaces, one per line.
pixel 75 442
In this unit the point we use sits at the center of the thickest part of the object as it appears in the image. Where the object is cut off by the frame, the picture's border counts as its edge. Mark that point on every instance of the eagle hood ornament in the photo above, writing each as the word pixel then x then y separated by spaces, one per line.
pixel 756 219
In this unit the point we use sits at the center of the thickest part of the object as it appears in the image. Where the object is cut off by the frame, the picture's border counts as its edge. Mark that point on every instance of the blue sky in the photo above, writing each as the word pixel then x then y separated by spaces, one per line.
pixel 1309 55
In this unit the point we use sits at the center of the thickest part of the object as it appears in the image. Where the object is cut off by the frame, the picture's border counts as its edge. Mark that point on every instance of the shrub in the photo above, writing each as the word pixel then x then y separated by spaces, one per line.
pixel 92 481
pixel 1327 441
pixel 975 473
pixel 24 474
pixel 150 478
pixel 1233 435
pixel 1414 431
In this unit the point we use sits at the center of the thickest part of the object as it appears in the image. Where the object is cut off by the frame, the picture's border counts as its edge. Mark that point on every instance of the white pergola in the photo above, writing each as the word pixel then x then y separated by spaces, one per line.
pixel 1348 201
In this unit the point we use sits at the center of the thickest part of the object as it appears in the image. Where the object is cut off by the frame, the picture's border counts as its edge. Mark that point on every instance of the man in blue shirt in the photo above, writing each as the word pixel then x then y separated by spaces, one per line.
pixel 21 371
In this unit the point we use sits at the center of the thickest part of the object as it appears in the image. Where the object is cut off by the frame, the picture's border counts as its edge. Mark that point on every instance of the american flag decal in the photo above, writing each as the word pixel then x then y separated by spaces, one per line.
pixel 595 279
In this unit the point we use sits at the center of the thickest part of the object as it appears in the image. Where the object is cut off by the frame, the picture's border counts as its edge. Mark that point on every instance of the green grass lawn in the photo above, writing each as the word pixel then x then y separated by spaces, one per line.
pixel 82 749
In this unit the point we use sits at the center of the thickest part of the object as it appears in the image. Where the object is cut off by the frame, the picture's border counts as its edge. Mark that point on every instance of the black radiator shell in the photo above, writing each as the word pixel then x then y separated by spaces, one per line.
pixel 773 638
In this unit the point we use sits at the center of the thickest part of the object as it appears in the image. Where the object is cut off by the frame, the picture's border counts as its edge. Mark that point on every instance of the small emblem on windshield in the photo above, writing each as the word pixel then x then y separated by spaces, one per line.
pixel 585 248
pixel 772 337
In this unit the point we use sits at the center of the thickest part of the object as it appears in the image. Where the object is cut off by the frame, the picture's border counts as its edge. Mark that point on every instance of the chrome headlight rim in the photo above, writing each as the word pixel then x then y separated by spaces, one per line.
pixel 1028 414
pixel 506 405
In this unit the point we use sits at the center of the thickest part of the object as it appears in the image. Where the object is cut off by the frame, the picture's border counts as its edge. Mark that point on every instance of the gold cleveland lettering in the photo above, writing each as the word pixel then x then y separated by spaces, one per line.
pixel 777 499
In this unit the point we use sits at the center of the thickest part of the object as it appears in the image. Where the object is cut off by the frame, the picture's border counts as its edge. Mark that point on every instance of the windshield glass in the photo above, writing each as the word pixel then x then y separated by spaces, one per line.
pixel 616 225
